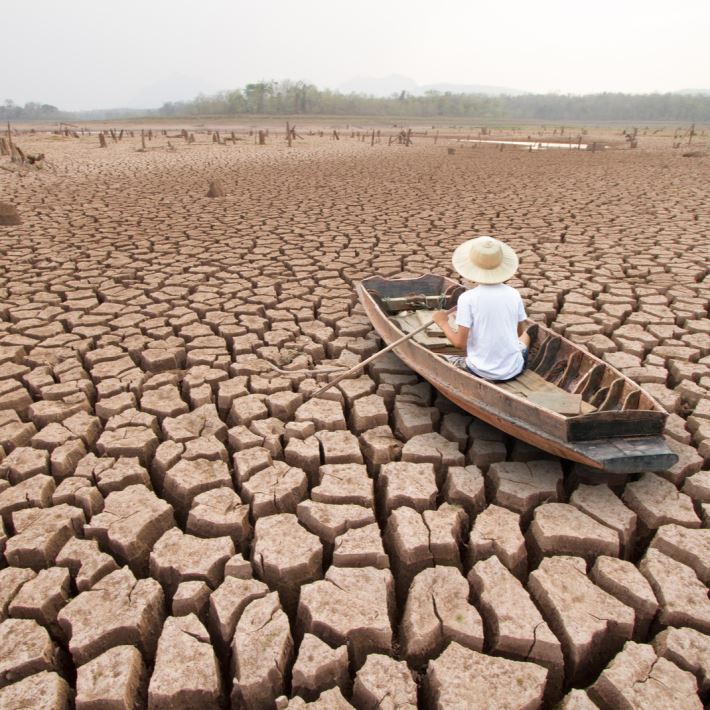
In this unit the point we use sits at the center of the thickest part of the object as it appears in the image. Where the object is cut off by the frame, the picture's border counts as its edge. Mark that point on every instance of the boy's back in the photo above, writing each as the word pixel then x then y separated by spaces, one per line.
pixel 492 313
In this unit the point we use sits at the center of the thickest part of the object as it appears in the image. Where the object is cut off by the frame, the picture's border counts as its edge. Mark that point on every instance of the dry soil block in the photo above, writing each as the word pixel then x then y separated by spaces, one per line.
pixel 682 597
pixel 410 484
pixel 562 529
pixel 262 650
pixel 433 448
pixel 40 533
pixel 188 479
pixel 360 547
pixel 227 603
pixel 623 580
pixel 688 649
pixel 86 563
pixel 328 521
pixel 218 513
pixel 276 489
pixel 186 674
pixel 383 682
pixel 177 557
pixel 521 486
pixel 117 610
pixel 191 598
pixel 318 668
pixel 637 678
pixel 131 523
pixel 46 690
pixel 324 413
pixel 496 531
pixel 26 649
pixel 437 612
pixel 42 597
pixel 591 624
pixel 600 502
pixel 344 483
pixel 513 623
pixel 11 580
pixel 462 678
pixel 658 502
pixel 465 486
pixel 115 679
pixel 350 606
pixel 285 556
pixel 686 545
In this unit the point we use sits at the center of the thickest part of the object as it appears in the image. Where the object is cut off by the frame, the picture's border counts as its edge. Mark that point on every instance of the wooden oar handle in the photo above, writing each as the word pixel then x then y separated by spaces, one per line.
pixel 364 363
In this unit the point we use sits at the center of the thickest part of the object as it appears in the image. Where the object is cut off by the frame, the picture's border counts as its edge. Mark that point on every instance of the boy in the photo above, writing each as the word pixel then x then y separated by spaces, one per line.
pixel 490 316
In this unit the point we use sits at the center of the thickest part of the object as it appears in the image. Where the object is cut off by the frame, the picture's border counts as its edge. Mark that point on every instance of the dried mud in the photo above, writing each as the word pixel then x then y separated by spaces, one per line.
pixel 182 527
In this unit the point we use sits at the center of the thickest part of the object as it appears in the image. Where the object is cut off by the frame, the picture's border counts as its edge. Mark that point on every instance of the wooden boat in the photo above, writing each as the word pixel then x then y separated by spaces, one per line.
pixel 567 402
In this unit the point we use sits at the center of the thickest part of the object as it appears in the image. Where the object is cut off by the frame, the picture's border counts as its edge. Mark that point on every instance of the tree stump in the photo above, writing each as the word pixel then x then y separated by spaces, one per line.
pixel 102 140
pixel 9 215
pixel 216 189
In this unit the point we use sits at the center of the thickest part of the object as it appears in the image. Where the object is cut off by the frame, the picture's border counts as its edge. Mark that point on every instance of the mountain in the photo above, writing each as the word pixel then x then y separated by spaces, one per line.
pixel 396 83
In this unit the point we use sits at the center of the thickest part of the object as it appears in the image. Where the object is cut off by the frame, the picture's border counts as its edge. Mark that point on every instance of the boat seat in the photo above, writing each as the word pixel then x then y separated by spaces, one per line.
pixel 432 337
pixel 538 390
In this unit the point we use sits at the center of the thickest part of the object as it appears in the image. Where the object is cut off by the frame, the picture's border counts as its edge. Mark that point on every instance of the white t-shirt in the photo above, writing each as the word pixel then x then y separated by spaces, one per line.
pixel 492 312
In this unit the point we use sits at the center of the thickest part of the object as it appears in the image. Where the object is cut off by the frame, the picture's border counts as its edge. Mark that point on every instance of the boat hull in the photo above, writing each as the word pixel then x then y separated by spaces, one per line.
pixel 617 455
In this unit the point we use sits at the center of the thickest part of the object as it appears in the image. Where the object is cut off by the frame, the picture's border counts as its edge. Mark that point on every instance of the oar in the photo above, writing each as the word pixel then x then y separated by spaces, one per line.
pixel 374 357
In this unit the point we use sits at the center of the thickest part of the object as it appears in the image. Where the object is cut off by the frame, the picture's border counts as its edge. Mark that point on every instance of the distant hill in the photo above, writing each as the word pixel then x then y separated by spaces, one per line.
pixel 396 83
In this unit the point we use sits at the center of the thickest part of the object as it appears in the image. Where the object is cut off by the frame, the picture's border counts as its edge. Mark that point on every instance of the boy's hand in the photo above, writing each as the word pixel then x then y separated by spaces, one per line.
pixel 441 317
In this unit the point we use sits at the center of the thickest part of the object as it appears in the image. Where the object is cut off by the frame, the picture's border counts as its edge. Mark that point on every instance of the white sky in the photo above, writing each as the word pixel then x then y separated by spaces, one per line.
pixel 97 54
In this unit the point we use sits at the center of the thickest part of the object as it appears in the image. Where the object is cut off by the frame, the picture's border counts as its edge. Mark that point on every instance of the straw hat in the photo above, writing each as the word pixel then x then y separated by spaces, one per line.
pixel 485 260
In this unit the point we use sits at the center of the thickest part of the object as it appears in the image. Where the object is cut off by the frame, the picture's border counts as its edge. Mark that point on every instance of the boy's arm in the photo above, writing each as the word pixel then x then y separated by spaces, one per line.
pixel 457 338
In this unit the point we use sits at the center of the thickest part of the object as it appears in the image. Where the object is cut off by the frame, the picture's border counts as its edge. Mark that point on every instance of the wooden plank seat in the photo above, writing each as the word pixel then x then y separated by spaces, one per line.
pixel 537 389
pixel 432 338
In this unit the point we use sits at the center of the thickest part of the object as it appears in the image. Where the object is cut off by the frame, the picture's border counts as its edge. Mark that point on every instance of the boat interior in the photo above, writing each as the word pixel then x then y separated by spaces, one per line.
pixel 560 376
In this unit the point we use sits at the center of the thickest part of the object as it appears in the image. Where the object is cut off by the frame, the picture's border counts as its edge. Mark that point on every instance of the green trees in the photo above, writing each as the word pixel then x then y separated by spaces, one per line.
pixel 299 97
pixel 10 111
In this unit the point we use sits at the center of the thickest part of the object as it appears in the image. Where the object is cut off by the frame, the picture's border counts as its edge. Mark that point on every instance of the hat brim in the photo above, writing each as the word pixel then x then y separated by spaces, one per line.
pixel 461 261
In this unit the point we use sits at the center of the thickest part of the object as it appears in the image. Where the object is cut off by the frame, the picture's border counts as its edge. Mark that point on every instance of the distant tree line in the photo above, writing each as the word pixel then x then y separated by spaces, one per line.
pixel 289 98
pixel 299 97
pixel 9 111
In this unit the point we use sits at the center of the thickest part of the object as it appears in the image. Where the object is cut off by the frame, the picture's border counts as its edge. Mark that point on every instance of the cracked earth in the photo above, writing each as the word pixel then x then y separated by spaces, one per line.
pixel 181 527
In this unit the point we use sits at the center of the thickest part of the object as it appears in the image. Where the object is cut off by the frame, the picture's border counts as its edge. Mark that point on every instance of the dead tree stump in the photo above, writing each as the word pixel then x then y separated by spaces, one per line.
pixel 9 216
pixel 102 140
pixel 262 138
pixel 216 189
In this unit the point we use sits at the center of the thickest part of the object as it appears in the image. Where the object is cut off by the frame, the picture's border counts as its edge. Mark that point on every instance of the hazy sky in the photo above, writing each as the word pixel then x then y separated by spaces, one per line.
pixel 97 54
